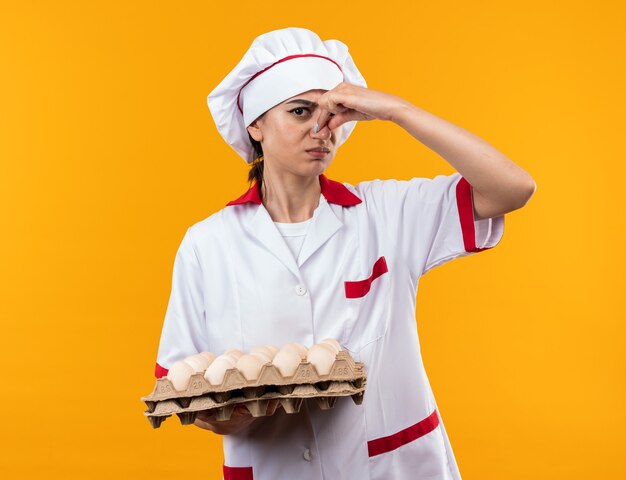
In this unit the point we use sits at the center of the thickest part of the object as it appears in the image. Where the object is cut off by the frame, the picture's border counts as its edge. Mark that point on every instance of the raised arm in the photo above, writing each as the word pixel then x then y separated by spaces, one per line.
pixel 499 185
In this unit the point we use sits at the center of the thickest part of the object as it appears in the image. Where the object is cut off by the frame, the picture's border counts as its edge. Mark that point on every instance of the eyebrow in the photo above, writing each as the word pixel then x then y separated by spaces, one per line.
pixel 308 103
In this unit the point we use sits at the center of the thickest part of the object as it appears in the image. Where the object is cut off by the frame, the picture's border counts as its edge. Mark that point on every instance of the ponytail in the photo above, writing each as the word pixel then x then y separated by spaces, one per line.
pixel 256 171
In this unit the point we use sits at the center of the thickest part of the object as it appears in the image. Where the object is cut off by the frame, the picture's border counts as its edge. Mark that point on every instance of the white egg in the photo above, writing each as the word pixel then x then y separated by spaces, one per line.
pixel 210 356
pixel 198 362
pixel 264 357
pixel 249 366
pixel 232 356
pixel 272 349
pixel 298 348
pixel 322 357
pixel 328 346
pixel 228 358
pixel 215 373
pixel 287 361
pixel 234 352
pixel 289 348
pixel 179 374
pixel 333 342
pixel 263 350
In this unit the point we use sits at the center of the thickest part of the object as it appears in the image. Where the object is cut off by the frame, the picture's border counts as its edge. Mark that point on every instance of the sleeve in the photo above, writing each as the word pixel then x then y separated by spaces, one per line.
pixel 434 220
pixel 184 327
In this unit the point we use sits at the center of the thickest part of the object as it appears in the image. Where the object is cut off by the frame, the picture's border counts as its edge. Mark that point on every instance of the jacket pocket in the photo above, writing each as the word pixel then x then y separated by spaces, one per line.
pixel 417 451
pixel 391 442
pixel 367 306
pixel 360 288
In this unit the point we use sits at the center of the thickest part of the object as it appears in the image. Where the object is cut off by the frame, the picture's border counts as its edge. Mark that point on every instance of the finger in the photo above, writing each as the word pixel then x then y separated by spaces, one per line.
pixel 321 120
pixel 241 411
pixel 272 406
pixel 347 116
pixel 206 415
pixel 330 105
pixel 204 425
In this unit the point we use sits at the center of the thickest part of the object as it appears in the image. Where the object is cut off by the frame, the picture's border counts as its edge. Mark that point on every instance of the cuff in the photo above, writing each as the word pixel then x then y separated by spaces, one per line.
pixel 478 235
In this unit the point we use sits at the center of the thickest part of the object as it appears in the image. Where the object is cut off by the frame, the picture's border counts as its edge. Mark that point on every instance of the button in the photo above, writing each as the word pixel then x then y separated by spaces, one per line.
pixel 307 455
pixel 300 290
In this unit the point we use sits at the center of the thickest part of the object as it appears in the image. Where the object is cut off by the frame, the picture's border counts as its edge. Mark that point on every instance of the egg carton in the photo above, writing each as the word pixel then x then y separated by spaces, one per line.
pixel 257 407
pixel 346 378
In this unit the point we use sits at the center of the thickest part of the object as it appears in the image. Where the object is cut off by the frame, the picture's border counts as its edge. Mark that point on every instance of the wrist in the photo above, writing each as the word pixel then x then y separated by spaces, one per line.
pixel 401 111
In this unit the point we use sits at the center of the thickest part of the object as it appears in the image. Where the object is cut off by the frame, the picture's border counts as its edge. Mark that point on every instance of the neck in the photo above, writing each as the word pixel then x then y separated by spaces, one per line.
pixel 290 198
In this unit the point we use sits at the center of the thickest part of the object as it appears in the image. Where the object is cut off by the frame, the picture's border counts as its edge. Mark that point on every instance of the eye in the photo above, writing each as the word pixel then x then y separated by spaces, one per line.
pixel 298 111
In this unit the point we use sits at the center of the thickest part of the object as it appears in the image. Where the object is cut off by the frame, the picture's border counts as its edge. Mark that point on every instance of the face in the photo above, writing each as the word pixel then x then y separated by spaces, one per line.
pixel 286 135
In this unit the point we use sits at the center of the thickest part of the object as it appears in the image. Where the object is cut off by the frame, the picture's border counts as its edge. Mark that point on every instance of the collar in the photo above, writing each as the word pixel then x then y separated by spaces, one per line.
pixel 334 192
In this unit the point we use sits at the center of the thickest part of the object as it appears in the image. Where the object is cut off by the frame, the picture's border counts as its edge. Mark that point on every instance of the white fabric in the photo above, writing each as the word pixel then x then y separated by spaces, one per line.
pixel 285 80
pixel 278 83
pixel 236 284
pixel 293 234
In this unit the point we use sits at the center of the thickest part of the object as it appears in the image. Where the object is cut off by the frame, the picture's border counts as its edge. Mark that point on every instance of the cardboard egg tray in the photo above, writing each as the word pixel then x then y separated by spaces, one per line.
pixel 346 378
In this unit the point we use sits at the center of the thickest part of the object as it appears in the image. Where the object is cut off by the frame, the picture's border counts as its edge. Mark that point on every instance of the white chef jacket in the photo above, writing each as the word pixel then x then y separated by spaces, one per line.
pixel 236 284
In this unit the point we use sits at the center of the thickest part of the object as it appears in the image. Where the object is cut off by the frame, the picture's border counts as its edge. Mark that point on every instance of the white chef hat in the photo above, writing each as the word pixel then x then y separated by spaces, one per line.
pixel 277 66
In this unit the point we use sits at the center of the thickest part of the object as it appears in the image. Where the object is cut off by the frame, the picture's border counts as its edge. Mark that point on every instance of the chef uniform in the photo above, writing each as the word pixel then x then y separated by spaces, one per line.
pixel 354 277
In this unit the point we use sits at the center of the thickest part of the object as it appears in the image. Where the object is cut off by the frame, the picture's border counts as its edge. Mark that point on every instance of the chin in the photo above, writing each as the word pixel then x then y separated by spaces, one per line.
pixel 317 167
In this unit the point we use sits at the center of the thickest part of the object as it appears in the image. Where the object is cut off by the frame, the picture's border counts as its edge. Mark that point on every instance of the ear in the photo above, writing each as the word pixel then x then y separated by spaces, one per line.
pixel 255 131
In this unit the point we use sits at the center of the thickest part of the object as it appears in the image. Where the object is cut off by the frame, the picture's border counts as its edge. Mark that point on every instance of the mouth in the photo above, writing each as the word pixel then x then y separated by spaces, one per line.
pixel 319 150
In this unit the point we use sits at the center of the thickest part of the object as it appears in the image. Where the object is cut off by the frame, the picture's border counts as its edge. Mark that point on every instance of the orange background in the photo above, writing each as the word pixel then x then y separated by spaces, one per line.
pixel 108 153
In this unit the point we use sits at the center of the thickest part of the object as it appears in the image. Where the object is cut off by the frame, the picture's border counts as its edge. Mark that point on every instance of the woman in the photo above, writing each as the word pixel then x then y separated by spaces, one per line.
pixel 300 258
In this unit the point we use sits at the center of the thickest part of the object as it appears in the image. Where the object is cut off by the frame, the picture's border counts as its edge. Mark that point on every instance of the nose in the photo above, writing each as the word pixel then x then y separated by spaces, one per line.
pixel 323 134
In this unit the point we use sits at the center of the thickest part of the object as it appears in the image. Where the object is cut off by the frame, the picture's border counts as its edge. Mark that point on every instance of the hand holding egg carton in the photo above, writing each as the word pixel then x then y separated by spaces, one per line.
pixel 291 374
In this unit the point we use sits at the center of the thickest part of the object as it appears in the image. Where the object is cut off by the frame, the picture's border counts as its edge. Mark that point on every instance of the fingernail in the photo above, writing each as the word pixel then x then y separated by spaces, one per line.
pixel 315 127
